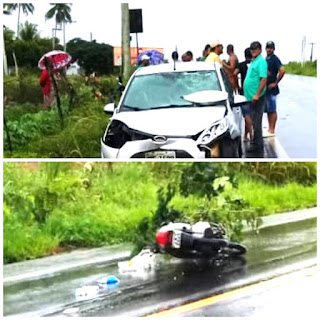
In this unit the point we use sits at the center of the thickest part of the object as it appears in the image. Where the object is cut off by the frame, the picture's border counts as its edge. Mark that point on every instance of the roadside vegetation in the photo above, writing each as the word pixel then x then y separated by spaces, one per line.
pixel 33 132
pixel 307 69
pixel 55 207
pixel 29 130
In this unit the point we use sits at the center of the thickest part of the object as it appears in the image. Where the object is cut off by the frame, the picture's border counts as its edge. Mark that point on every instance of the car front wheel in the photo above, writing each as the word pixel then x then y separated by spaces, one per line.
pixel 230 148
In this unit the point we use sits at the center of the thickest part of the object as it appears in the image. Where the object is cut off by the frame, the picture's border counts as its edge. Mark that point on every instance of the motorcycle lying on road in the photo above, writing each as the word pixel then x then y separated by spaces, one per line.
pixel 200 240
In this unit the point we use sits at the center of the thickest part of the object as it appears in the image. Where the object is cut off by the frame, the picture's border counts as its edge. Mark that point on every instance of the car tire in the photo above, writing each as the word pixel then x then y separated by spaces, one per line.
pixel 229 148
pixel 240 153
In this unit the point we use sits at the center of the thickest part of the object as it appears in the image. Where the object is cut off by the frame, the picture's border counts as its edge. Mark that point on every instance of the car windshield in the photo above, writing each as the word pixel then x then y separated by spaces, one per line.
pixel 165 90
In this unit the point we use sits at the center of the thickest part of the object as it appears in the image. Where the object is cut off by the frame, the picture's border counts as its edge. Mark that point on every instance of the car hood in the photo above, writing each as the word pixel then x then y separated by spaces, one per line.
pixel 172 122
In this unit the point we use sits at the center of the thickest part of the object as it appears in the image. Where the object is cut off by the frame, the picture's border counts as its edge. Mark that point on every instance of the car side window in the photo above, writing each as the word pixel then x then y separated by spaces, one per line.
pixel 227 85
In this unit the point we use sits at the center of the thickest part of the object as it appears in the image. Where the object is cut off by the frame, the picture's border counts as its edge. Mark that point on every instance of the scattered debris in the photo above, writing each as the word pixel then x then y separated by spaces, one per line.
pixel 145 260
pixel 87 292
pixel 70 311
pixel 108 280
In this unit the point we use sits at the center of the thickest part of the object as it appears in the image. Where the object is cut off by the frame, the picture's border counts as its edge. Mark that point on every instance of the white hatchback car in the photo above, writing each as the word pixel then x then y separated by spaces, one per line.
pixel 186 110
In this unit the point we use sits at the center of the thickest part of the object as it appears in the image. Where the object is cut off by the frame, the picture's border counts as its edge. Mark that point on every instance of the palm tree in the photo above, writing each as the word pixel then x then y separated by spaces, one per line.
pixel 61 12
pixel 28 31
pixel 27 8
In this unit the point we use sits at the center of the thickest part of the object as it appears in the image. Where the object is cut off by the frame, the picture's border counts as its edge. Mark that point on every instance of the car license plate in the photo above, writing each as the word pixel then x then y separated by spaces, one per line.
pixel 161 154
pixel 176 239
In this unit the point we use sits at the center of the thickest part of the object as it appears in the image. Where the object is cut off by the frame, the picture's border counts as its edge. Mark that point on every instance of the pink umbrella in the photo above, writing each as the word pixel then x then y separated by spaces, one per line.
pixel 59 59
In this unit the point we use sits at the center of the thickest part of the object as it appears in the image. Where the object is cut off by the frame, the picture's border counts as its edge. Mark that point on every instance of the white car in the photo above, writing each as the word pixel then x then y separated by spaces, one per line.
pixel 182 110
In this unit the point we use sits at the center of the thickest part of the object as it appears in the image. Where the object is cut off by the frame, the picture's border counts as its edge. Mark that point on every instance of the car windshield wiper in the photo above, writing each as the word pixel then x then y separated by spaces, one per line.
pixel 172 106
pixel 131 108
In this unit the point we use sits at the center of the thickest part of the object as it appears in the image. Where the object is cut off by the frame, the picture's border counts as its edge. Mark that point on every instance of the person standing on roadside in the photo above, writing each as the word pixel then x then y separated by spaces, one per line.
pixel 242 69
pixel 206 52
pixel 145 61
pixel 276 71
pixel 216 51
pixel 230 68
pixel 187 57
pixel 46 84
pixel 254 91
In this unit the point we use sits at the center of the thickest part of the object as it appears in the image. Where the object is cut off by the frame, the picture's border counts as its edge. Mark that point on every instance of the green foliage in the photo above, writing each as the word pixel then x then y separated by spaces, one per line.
pixel 147 227
pixel 198 178
pixel 92 56
pixel 163 213
pixel 25 89
pixel 60 11
pixel 31 126
pixel 28 31
pixel 304 173
pixel 36 133
pixel 307 69
pixel 28 53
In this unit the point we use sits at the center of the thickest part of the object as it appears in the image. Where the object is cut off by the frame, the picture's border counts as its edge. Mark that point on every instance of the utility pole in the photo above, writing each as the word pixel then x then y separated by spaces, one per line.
pixel 64 37
pixel 5 60
pixel 312 44
pixel 303 51
pixel 126 59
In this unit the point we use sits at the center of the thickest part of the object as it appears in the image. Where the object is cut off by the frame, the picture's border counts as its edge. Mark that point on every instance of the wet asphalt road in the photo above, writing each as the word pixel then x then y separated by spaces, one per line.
pixel 296 129
pixel 274 251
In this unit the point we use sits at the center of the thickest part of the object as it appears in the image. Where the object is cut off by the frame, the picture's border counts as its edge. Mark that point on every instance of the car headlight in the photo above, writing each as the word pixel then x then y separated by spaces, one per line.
pixel 216 130
pixel 117 134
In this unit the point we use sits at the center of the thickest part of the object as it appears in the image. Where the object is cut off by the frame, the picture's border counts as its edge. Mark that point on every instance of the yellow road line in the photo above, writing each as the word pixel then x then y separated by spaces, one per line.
pixel 279 280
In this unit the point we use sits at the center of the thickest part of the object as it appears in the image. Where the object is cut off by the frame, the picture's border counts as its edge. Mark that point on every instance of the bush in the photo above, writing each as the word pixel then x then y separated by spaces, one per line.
pixel 25 88
pixel 308 69
pixel 304 173
pixel 199 177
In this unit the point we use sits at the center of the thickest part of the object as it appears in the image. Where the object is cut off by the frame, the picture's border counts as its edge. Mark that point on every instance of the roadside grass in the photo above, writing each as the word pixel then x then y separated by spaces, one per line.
pixel 36 133
pixel 289 197
pixel 62 205
pixel 308 69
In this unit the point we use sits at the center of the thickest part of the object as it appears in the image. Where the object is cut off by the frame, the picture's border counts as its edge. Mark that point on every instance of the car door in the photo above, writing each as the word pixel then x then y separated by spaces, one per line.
pixel 237 113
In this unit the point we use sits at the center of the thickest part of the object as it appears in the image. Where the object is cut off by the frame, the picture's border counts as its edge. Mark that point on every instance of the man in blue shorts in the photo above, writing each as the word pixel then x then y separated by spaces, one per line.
pixel 254 91
pixel 276 72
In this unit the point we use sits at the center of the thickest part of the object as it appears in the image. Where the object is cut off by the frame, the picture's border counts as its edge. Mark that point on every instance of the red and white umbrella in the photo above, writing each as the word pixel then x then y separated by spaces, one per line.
pixel 59 59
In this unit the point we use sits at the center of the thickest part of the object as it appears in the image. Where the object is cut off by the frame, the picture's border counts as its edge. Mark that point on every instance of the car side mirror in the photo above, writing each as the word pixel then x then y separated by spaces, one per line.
pixel 109 108
pixel 239 100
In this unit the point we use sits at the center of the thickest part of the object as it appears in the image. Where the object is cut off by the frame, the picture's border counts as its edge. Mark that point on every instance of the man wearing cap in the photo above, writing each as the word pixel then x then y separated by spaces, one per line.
pixel 254 91
pixel 216 51
pixel 145 61
pixel 276 72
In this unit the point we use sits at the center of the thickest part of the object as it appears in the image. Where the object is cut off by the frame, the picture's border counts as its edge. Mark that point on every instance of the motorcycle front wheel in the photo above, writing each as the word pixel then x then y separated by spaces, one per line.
pixel 234 249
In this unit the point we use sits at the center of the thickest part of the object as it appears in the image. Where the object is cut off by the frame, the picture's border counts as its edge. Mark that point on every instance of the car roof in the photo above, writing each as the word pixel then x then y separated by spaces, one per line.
pixel 180 67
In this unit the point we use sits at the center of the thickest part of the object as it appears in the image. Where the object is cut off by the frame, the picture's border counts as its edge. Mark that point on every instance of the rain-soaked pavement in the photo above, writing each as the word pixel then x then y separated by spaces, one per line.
pixel 296 129
pixel 274 251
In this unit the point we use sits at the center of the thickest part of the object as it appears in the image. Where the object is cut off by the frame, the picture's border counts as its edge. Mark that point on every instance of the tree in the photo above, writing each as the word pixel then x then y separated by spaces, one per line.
pixel 92 56
pixel 61 13
pixel 27 8
pixel 28 31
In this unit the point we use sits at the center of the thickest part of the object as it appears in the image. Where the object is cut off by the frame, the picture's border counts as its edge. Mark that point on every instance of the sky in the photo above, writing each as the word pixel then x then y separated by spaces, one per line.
pixel 190 25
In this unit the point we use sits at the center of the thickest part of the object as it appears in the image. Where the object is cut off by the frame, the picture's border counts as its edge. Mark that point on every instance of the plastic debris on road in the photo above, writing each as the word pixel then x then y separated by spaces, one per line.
pixel 145 260
pixel 112 280
pixel 87 292
pixel 92 291
pixel 70 311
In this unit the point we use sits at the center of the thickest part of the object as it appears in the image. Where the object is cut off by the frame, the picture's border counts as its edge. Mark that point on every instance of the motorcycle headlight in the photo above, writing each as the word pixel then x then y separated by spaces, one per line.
pixel 216 130
pixel 117 134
